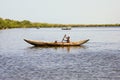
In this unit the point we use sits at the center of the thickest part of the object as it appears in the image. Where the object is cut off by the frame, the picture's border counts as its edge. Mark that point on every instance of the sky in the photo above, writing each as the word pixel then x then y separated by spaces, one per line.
pixel 62 11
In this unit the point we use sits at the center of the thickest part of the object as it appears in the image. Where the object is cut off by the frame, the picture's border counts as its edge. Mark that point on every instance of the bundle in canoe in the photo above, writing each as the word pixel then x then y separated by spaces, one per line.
pixel 43 43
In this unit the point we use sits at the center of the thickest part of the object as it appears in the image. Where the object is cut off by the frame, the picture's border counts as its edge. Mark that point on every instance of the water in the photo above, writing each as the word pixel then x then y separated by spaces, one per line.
pixel 99 59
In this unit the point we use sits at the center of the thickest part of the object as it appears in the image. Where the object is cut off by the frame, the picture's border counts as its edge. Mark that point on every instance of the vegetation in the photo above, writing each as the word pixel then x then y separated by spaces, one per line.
pixel 8 23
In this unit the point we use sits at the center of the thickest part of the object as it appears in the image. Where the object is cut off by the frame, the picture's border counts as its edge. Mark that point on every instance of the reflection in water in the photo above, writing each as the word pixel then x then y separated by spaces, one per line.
pixel 61 48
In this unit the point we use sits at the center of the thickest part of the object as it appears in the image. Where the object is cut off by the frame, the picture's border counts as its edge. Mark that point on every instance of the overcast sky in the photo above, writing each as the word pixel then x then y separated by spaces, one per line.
pixel 62 11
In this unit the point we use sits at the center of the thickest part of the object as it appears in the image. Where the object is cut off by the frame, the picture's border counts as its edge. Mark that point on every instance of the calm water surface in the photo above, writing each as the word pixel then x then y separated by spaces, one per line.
pixel 99 59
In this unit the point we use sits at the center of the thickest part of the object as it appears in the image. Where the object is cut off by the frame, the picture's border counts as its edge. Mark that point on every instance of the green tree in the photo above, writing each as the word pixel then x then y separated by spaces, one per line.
pixel 26 23
pixel 1 23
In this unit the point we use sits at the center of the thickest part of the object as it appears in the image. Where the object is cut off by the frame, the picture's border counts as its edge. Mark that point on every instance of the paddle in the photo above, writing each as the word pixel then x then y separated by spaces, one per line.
pixel 63 38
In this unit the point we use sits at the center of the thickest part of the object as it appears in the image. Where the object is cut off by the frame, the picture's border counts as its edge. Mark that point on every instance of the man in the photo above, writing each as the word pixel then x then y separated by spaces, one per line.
pixel 66 38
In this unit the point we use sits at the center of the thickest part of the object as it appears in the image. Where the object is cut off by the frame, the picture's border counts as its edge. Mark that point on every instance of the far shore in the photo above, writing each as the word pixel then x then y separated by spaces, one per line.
pixel 62 26
pixel 8 24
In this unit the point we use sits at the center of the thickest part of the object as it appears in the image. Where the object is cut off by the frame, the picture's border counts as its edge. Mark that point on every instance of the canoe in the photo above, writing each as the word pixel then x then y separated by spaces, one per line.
pixel 44 43
pixel 66 28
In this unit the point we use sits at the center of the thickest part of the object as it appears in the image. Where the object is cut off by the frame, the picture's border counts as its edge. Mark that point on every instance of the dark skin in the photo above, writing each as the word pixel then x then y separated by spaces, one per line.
pixel 68 39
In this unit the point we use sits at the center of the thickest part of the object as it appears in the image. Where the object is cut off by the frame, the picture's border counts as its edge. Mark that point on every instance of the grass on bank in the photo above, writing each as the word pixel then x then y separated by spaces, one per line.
pixel 8 23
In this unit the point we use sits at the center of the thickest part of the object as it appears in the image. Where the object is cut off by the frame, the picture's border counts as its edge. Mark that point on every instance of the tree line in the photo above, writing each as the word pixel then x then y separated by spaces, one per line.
pixel 8 23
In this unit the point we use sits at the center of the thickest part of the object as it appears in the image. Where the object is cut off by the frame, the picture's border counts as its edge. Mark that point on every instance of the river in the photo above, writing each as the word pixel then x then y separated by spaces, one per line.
pixel 99 59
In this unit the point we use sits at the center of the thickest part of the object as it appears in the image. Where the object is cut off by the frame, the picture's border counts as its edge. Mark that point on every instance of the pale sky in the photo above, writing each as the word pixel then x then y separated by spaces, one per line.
pixel 62 11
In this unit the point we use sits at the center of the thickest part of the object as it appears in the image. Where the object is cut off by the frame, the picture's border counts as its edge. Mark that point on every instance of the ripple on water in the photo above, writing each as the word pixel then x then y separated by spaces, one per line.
pixel 99 59
pixel 51 66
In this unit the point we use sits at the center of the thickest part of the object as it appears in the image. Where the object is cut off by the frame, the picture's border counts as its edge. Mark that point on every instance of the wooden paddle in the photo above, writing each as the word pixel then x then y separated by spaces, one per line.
pixel 63 38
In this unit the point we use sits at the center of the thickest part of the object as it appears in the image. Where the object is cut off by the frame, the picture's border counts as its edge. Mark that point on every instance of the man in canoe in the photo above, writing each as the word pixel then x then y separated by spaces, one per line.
pixel 66 38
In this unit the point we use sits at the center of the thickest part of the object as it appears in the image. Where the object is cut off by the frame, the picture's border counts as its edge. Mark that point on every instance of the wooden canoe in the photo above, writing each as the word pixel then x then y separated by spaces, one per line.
pixel 43 43
pixel 66 28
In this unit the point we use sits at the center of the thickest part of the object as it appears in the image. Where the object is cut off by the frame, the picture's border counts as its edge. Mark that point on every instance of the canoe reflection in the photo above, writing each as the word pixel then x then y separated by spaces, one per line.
pixel 63 48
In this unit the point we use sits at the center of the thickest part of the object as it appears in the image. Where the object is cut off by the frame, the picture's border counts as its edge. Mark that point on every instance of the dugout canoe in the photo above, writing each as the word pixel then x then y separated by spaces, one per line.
pixel 44 43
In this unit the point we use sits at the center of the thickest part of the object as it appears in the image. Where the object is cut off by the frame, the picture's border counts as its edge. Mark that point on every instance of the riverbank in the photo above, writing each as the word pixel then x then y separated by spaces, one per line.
pixel 8 23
